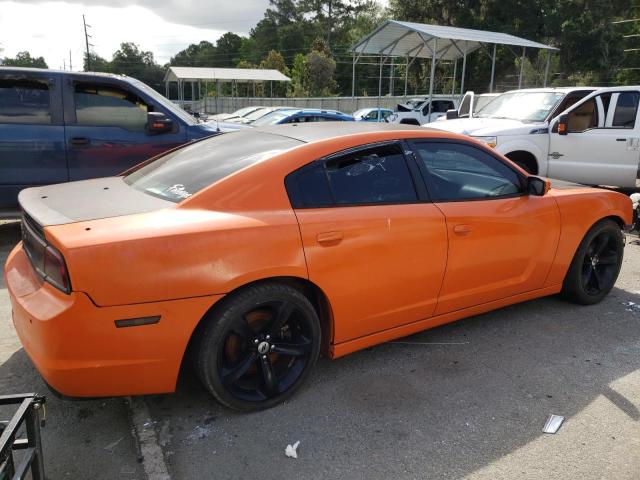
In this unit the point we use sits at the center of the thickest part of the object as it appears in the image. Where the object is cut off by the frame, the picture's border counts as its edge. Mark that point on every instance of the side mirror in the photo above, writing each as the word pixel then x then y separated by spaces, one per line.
pixel 452 114
pixel 563 124
pixel 158 122
pixel 538 186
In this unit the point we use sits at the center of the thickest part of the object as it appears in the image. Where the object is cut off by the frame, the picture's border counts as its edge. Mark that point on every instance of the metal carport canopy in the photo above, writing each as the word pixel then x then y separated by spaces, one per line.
pixel 239 75
pixel 437 42
pixel 405 39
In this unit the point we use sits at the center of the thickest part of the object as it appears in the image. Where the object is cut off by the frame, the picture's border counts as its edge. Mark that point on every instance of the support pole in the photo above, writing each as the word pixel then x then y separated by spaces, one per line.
pixel 521 68
pixel 166 90
pixel 217 95
pixel 493 68
pixel 464 69
pixel 546 68
pixel 391 69
pixel 453 83
pixel 353 76
pixel 406 79
pixel 271 88
pixel 380 81
pixel 433 74
pixel 193 91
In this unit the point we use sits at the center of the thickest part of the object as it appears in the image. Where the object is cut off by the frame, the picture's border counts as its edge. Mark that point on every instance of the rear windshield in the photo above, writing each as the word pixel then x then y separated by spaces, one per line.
pixel 182 173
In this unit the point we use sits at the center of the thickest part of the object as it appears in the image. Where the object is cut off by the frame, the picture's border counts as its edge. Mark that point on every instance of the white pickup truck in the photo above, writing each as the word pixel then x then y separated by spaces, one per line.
pixel 581 134
pixel 598 142
pixel 416 111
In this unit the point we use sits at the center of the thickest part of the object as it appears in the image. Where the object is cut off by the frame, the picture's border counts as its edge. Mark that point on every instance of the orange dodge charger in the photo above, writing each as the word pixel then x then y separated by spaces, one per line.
pixel 257 250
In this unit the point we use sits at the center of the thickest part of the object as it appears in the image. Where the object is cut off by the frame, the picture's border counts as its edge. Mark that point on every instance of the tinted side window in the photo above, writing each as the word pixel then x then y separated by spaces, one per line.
pixel 109 106
pixel 375 175
pixel 624 115
pixel 463 172
pixel 24 101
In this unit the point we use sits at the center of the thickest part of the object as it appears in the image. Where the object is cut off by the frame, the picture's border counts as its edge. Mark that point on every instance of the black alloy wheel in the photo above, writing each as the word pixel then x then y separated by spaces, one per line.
pixel 261 347
pixel 596 264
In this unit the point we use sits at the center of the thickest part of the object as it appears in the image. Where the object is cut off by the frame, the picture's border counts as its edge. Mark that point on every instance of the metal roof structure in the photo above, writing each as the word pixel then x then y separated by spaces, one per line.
pixel 404 39
pixel 238 75
pixel 394 38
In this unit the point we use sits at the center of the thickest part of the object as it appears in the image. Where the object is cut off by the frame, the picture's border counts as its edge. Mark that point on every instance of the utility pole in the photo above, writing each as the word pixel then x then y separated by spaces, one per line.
pixel 70 64
pixel 86 41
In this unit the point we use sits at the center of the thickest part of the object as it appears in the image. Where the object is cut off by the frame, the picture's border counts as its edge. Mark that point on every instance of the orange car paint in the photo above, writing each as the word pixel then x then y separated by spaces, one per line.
pixel 386 271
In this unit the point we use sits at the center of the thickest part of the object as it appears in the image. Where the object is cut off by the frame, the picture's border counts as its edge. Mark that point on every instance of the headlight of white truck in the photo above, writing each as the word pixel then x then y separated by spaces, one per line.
pixel 488 141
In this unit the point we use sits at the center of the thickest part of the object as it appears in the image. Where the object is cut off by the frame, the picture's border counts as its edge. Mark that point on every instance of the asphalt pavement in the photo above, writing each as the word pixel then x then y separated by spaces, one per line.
pixel 466 400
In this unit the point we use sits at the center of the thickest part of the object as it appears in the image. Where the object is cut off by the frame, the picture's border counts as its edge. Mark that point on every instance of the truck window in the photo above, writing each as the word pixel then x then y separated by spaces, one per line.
pixel 24 101
pixel 109 106
pixel 624 115
pixel 584 117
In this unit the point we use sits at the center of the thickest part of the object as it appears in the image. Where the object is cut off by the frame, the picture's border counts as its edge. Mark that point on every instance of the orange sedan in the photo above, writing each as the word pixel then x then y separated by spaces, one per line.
pixel 257 250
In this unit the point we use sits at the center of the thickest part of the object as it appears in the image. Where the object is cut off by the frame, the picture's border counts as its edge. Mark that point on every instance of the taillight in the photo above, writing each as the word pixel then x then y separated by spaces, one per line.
pixel 55 269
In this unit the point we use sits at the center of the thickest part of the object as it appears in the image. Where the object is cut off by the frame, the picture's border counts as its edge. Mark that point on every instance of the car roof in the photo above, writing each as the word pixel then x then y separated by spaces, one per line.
pixel 552 89
pixel 56 73
pixel 317 131
pixel 311 110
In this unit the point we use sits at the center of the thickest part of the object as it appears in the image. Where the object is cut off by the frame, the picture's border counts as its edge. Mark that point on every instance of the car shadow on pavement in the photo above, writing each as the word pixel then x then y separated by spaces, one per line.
pixel 439 404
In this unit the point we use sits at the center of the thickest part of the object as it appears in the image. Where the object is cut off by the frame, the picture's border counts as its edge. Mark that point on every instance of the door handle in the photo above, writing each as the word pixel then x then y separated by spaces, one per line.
pixel 329 237
pixel 79 141
pixel 462 229
pixel 621 139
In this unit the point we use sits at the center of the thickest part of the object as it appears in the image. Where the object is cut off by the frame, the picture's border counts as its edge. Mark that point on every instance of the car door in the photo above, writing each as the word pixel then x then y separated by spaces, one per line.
pixel 106 129
pixel 372 242
pixel 602 144
pixel 501 241
pixel 31 133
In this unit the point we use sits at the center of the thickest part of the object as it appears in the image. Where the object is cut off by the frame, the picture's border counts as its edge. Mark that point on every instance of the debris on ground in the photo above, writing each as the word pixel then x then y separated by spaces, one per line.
pixel 631 306
pixel 290 451
pixel 553 423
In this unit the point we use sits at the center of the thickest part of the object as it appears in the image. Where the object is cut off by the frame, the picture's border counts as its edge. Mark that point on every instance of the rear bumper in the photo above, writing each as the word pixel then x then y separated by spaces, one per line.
pixel 77 347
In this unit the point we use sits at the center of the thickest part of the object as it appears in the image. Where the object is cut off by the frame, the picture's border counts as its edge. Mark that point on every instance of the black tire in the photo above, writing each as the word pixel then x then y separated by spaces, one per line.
pixel 596 264
pixel 259 346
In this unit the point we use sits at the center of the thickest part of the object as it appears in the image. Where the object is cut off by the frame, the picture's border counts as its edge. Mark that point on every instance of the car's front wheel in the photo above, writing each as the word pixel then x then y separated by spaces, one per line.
pixel 596 264
pixel 259 346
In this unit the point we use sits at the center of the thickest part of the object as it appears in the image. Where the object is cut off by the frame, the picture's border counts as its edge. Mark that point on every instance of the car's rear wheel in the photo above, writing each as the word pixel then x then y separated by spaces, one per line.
pixel 259 347
pixel 596 264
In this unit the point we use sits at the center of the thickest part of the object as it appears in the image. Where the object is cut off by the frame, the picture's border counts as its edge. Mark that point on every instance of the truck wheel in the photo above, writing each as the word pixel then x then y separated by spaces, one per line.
pixel 596 264
pixel 409 121
pixel 259 347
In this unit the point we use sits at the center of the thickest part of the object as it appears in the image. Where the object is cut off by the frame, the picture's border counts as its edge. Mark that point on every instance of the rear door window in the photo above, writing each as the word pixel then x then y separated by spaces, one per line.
pixel 624 115
pixel 25 102
pixel 369 176
pixel 109 106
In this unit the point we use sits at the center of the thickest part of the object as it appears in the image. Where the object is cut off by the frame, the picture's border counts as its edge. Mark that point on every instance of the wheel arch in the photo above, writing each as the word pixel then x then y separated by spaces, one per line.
pixel 525 159
pixel 310 290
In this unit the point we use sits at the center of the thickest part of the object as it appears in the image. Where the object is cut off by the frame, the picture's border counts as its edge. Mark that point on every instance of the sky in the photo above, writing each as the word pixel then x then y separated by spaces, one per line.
pixel 55 29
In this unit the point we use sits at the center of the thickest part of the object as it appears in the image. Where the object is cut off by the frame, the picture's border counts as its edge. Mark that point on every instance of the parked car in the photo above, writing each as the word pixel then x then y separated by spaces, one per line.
pixel 295 115
pixel 57 126
pixel 416 111
pixel 255 115
pixel 516 124
pixel 241 113
pixel 471 104
pixel 259 249
pixel 372 114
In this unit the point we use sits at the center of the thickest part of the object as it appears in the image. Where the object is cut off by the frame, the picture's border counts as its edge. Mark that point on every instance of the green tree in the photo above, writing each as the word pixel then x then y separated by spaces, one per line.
pixel 96 63
pixel 202 54
pixel 320 69
pixel 24 59
pixel 130 60
pixel 275 61
pixel 228 50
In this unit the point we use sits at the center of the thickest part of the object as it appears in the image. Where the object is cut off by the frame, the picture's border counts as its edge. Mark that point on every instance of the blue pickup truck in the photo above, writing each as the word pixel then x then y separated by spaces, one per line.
pixel 58 126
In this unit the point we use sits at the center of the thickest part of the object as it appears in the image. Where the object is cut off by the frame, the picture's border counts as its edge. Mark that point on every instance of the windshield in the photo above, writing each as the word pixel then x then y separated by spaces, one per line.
pixel 271 119
pixel 361 113
pixel 184 172
pixel 243 112
pixel 168 104
pixel 261 112
pixel 523 106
